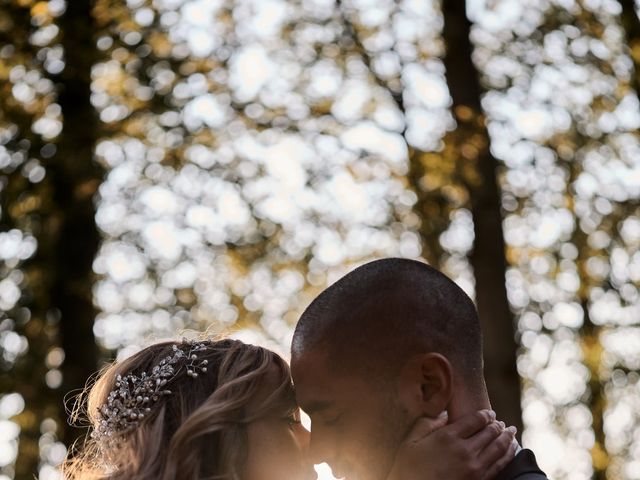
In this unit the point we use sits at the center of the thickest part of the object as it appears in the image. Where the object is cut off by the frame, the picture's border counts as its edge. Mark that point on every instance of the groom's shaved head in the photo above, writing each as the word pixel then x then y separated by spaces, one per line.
pixel 377 316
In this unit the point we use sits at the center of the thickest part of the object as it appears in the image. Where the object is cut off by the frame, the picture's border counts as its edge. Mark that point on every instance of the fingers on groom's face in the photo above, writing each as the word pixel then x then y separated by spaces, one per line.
pixel 355 427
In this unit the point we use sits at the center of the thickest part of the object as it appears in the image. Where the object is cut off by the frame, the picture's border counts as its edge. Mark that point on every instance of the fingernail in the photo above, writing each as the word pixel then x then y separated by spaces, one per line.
pixel 512 429
pixel 492 414
pixel 502 425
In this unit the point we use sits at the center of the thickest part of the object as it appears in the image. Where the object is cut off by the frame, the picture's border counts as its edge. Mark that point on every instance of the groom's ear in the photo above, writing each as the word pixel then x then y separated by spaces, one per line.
pixel 426 385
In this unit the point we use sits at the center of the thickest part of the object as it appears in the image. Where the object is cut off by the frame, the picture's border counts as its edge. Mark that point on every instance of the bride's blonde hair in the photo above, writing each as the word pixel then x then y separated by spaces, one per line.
pixel 198 431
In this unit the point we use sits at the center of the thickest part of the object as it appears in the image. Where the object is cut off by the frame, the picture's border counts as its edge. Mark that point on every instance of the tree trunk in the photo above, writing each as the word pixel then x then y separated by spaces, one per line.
pixel 590 341
pixel 631 25
pixel 480 170
pixel 76 177
pixel 592 351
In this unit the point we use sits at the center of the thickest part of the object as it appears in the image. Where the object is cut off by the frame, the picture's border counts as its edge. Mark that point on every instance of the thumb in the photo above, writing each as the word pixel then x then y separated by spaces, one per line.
pixel 427 425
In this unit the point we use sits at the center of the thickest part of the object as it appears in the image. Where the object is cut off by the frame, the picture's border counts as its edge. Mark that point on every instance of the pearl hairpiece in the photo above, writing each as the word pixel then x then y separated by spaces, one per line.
pixel 131 399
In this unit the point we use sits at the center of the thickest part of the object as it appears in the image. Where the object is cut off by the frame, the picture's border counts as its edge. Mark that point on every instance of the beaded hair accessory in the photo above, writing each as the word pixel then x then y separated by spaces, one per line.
pixel 133 396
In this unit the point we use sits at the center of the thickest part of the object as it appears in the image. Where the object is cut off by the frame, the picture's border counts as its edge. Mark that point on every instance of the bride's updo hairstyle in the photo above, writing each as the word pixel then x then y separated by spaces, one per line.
pixel 178 410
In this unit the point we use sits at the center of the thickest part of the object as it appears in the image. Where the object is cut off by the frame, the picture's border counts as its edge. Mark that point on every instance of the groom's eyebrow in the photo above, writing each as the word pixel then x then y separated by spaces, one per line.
pixel 317 406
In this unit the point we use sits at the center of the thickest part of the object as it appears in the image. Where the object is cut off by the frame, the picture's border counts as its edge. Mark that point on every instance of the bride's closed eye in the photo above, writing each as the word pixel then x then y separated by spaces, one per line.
pixel 293 417
pixel 293 420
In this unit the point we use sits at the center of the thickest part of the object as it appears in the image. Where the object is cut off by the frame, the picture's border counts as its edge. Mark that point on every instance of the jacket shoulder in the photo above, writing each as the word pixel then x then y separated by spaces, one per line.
pixel 522 467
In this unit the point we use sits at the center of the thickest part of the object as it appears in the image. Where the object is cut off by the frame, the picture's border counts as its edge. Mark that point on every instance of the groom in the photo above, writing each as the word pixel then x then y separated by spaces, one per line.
pixel 391 343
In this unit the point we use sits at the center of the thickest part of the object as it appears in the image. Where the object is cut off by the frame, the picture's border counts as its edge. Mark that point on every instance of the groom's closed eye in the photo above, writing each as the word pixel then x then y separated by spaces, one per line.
pixel 322 413
pixel 330 421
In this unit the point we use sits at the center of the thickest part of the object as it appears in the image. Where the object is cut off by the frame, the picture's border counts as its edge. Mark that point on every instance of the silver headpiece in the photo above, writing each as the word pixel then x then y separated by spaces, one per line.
pixel 133 396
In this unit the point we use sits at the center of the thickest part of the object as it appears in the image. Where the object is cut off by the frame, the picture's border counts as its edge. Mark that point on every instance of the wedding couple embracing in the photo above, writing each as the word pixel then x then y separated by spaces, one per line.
pixel 387 362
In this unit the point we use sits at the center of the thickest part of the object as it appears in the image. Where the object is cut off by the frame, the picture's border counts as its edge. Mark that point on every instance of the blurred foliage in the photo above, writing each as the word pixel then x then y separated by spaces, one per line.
pixel 570 195
pixel 30 121
pixel 248 153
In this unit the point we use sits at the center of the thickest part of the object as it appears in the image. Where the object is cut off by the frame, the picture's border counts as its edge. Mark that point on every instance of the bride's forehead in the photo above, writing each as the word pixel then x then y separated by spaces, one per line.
pixel 273 380
pixel 276 375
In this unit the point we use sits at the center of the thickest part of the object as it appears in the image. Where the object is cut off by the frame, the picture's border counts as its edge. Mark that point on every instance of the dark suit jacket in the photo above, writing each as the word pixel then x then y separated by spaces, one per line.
pixel 522 467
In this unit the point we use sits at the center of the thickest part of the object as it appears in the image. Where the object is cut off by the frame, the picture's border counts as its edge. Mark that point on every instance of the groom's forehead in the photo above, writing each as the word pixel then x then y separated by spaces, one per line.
pixel 309 367
pixel 318 386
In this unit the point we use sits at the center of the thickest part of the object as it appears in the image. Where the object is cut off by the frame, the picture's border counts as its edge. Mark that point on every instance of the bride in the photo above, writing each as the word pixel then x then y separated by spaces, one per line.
pixel 225 410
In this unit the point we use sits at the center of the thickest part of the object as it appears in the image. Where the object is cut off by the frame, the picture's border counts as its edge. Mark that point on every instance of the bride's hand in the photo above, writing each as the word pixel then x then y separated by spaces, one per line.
pixel 475 446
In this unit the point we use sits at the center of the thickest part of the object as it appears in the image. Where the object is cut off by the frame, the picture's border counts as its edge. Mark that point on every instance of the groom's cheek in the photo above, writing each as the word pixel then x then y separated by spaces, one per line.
pixel 326 443
pixel 368 449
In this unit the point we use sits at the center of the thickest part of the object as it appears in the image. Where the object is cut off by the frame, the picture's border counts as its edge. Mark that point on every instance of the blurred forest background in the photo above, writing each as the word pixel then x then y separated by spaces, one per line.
pixel 213 164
